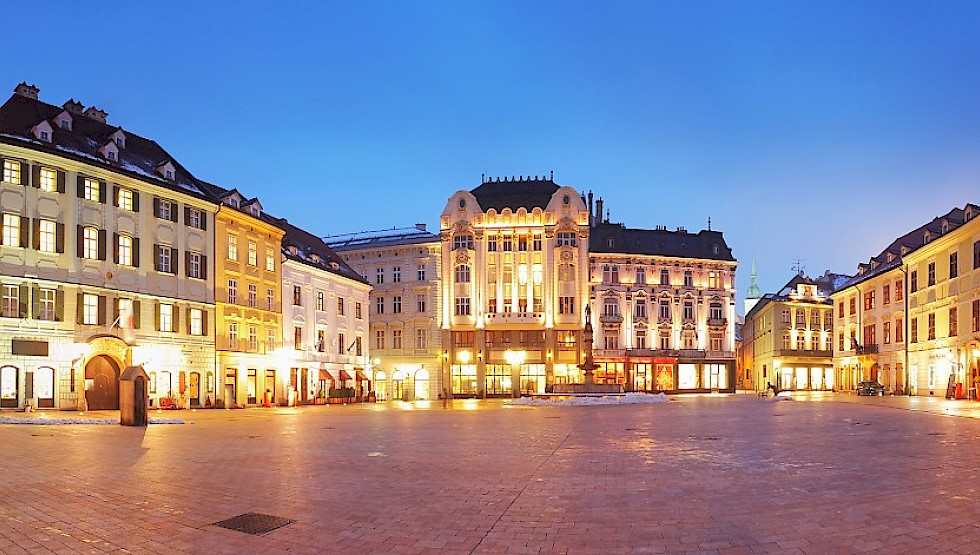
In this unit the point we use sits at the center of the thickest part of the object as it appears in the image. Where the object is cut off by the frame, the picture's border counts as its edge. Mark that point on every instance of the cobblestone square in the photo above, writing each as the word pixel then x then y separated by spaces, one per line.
pixel 703 474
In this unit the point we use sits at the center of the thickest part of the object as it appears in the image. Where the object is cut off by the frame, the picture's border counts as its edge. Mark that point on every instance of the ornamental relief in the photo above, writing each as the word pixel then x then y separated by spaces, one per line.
pixel 462 256
pixel 567 254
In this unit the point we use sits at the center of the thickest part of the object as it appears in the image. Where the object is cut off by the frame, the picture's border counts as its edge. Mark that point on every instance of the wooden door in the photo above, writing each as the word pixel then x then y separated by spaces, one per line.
pixel 104 393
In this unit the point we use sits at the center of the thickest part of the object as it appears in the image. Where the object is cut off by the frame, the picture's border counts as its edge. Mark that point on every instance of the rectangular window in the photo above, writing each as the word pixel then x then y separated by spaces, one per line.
pixel 379 340
pixel 564 238
pixel 641 340
pixel 379 275
pixel 49 180
pixel 914 330
pixel 197 321
pixel 270 261
pixel 341 344
pixel 195 266
pixel 899 291
pixel 931 330
pixel 91 190
pixel 664 310
pixel 421 339
pixel 421 271
pixel 462 242
pixel 869 300
pixel 298 338
pixel 11 301
pixel 321 340
pixel 898 330
pixel 396 339
pixel 396 304
pixel 90 309
pixel 379 305
pixel 688 310
pixel 47 304
pixel 319 301
pixel 641 276
pixel 954 266
pixel 688 279
pixel 976 255
pixel 640 309
pixel 270 299
pixel 232 291
pixel 253 339
pixel 536 242
pixel 11 172
pixel 232 247
pixel 932 274
pixel 886 294
pixel 357 346
pixel 253 253
pixel 195 218
pixel 124 199
pixel 462 306
pixel 166 209
pixel 11 230
pixel 253 296
pixel 271 339
pixel 47 235
pixel 396 274
pixel 357 310
pixel 90 243
pixel 664 277
pixel 914 281
pixel 491 243
pixel 166 317
pixel 420 302
pixel 463 273
pixel 840 309
pixel 952 322
pixel 886 332
pixel 976 315
pixel 785 315
pixel 233 335
pixel 340 306
pixel 297 295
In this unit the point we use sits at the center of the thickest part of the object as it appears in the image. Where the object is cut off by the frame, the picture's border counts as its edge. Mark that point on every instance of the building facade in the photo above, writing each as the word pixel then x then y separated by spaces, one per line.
pixel 515 259
pixel 898 321
pixel 404 268
pixel 663 307
pixel 248 299
pixel 99 269
pixel 787 337
pixel 325 320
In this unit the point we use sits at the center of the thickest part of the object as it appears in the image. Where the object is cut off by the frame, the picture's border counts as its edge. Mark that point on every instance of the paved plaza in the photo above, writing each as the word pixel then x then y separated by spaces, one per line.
pixel 702 474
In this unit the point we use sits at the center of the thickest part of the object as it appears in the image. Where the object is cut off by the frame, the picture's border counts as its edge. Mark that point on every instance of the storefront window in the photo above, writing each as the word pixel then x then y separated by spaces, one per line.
pixel 498 379
pixel 665 377
pixel 252 386
pixel 611 373
pixel 641 377
pixel 8 386
pixel 381 385
pixel 464 379
pixel 532 378
pixel 567 373
pixel 687 376
pixel 398 385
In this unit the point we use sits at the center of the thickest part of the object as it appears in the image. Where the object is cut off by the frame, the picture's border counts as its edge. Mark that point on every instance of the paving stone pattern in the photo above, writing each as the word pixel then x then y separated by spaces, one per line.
pixel 703 474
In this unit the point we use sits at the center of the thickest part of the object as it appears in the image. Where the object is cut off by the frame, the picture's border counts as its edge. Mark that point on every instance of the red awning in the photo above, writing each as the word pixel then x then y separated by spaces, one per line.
pixel 324 375
pixel 344 375
pixel 361 377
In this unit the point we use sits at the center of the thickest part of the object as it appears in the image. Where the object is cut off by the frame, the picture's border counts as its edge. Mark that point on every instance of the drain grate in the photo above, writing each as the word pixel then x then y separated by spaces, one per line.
pixel 254 523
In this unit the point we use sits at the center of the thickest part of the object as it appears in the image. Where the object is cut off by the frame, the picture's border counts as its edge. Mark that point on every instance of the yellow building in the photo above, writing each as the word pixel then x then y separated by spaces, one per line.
pixel 248 301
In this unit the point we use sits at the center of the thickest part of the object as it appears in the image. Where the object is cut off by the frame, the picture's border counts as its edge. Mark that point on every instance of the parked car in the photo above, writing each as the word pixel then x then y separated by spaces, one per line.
pixel 870 388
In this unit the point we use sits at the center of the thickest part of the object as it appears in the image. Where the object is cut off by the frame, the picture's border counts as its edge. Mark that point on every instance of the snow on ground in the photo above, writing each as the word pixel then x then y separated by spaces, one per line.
pixel 778 398
pixel 45 421
pixel 563 400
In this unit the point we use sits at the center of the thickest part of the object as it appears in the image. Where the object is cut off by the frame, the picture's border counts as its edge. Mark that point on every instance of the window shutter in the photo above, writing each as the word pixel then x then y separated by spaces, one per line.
pixel 79 241
pixel 156 206
pixel 24 172
pixel 173 211
pixel 102 310
pixel 136 252
pixel 24 298
pixel 156 257
pixel 102 244
pixel 187 263
pixel 102 188
pixel 35 301
pixel 136 201
pixel 175 261
pixel 204 267
pixel 36 232
pixel 59 305
pixel 115 195
pixel 156 315
pixel 187 215
pixel 36 175
pixel 115 310
pixel 136 314
pixel 79 307
pixel 188 311
pixel 25 231
pixel 175 325
pixel 61 182
pixel 80 185
pixel 59 238
pixel 204 322
pixel 204 220
pixel 115 247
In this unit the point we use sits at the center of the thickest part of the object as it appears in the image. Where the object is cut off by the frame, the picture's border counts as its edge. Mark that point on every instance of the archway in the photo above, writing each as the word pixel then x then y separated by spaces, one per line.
pixel 104 393
pixel 422 385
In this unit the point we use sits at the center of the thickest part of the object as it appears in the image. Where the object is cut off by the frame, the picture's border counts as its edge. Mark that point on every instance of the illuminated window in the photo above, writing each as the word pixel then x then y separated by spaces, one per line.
pixel 253 339
pixel 166 317
pixel 271 339
pixel 11 301
pixel 49 180
pixel 252 254
pixel 253 295
pixel 91 190
pixel 319 301
pixel 11 230
pixel 232 247
pixel 124 199
pixel 90 309
pixel 712 280
pixel 232 291
pixel 48 304
pixel 90 243
pixel 197 321
pixel 270 299
pixel 125 249
pixel 233 335
pixel 47 236
pixel 11 172
pixel 270 261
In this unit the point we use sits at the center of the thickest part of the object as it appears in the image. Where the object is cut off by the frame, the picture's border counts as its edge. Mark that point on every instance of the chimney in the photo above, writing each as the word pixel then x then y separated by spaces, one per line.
pixel 30 91
pixel 95 113
pixel 73 106
pixel 420 227
pixel 591 213
pixel 598 210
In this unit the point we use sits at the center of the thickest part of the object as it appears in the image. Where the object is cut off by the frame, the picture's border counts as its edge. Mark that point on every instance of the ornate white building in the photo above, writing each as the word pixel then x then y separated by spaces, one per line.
pixel 326 312
pixel 515 254
pixel 404 268
pixel 663 307
pixel 106 247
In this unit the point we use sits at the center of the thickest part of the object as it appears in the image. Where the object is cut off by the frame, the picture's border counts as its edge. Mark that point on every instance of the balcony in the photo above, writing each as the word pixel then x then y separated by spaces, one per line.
pixel 513 317
pixel 611 319
pixel 719 322
pixel 805 353
pixel 869 349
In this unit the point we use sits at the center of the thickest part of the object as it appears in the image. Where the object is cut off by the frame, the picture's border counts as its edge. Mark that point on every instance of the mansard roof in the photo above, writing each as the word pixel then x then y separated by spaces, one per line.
pixel 19 114
pixel 513 193
pixel 659 242
pixel 307 245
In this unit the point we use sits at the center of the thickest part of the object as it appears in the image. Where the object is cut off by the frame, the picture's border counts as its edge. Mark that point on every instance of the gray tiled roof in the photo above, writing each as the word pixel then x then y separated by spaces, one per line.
pixel 657 242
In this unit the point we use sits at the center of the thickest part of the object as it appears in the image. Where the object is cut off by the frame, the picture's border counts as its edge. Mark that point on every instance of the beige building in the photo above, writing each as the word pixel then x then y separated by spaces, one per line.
pixel 325 320
pixel 404 268
pixel 106 245
pixel 515 259
pixel 663 307
pixel 787 336
pixel 248 298
pixel 905 319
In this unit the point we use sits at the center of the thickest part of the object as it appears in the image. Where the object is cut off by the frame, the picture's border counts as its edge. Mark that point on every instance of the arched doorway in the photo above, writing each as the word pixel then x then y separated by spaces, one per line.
pixel 104 393
pixel 381 386
pixel 44 386
pixel 194 385
pixel 398 385
pixel 422 385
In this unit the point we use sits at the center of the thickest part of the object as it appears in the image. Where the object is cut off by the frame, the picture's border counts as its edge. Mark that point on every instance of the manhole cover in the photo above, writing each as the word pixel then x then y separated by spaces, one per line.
pixel 254 523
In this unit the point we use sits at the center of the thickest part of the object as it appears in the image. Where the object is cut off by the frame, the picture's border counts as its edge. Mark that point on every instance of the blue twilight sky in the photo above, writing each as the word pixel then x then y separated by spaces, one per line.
pixel 804 130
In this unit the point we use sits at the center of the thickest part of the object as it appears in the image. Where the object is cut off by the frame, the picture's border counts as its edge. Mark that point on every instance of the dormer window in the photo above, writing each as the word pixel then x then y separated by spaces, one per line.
pixel 110 151
pixel 945 228
pixel 119 138
pixel 111 155
pixel 927 237
pixel 63 121
pixel 166 169
pixel 42 131
pixel 45 136
pixel 65 124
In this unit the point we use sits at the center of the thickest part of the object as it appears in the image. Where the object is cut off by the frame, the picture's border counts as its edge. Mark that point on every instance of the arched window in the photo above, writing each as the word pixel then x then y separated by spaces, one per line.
pixel 9 376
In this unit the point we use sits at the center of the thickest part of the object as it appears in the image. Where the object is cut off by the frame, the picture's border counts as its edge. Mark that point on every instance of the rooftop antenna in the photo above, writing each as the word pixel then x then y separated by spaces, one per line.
pixel 709 223
pixel 552 178
pixel 798 266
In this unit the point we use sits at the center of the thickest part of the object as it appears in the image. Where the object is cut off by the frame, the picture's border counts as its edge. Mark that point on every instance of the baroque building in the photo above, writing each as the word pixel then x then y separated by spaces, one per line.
pixel 910 318
pixel 663 307
pixel 325 319
pixel 404 268
pixel 515 279
pixel 787 336
pixel 105 256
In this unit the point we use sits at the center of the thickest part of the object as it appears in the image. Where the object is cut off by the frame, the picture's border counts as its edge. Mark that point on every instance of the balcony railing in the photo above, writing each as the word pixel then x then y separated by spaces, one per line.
pixel 804 353
pixel 611 318
pixel 513 317
pixel 717 321
pixel 868 349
